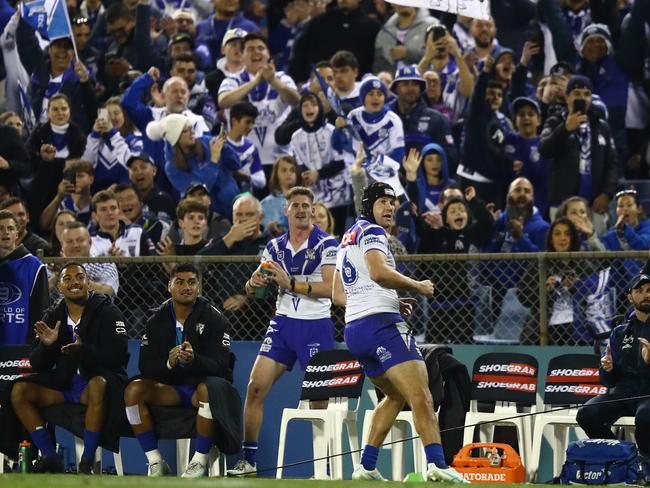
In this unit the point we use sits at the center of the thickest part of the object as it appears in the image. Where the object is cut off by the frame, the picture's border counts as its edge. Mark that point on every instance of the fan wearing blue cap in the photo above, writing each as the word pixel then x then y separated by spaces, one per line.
pixel 377 128
pixel 522 149
pixel 422 125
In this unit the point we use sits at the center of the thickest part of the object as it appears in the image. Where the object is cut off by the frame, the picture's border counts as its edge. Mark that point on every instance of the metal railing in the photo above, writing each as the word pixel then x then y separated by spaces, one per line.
pixel 524 298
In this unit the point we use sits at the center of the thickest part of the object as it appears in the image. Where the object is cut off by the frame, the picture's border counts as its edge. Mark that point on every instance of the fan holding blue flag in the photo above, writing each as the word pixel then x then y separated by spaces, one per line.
pixel 50 19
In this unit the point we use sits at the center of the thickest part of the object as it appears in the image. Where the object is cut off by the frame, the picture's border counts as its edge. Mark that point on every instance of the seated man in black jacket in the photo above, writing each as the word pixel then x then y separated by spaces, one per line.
pixel 185 341
pixel 80 357
pixel 625 370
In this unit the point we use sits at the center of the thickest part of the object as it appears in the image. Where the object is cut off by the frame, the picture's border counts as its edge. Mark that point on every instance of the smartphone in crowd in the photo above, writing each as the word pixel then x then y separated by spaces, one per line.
pixel 580 106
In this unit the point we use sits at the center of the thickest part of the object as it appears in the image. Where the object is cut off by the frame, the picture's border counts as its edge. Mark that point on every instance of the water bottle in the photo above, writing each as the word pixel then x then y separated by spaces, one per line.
pixel 25 456
pixel 493 458
pixel 261 292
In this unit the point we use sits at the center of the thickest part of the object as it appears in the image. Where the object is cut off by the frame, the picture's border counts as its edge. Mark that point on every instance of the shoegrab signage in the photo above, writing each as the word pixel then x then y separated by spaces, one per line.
pixel 505 377
pixel 14 363
pixel 572 379
pixel 331 374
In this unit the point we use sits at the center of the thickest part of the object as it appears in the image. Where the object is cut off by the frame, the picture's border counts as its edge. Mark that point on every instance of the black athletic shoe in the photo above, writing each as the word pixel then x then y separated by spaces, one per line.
pixel 47 465
pixel 85 466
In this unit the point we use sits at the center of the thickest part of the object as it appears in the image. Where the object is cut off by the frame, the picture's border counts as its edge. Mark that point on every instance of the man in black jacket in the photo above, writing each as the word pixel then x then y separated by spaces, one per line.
pixel 346 27
pixel 581 151
pixel 625 370
pixel 186 341
pixel 80 357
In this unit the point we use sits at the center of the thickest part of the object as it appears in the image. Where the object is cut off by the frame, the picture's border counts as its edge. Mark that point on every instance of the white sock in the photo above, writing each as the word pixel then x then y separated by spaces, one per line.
pixel 153 456
pixel 199 457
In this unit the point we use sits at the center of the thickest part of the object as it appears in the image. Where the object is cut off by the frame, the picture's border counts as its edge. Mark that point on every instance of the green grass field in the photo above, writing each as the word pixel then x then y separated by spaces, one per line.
pixel 72 481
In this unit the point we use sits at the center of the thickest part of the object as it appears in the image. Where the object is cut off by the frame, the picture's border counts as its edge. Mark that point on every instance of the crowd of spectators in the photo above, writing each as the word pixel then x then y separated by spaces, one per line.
pixel 180 127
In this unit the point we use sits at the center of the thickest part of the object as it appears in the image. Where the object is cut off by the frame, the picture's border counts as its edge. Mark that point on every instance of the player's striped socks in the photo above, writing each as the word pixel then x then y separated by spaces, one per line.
pixel 43 441
pixel 91 442
pixel 250 451
pixel 435 455
pixel 369 457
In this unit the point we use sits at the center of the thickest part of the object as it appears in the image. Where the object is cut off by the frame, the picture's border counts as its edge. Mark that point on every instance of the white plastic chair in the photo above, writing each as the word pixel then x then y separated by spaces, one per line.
pixel 509 380
pixel 327 424
pixel 585 367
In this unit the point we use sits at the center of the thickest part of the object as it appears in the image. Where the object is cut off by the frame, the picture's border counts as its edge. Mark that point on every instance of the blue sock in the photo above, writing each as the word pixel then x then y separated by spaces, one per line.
pixel 91 441
pixel 147 441
pixel 250 451
pixel 203 444
pixel 435 455
pixel 43 441
pixel 369 457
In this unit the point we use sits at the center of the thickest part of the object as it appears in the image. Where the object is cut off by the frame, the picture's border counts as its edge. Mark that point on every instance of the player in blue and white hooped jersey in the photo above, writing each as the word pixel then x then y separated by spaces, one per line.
pixel 301 262
pixel 366 282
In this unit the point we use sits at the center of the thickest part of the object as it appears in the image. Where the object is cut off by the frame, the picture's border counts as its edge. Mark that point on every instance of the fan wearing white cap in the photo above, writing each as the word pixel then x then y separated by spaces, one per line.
pixel 232 63
pixel 191 158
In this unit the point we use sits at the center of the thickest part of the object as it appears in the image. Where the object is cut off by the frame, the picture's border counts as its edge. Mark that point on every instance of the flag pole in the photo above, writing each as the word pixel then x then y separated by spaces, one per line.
pixel 74 44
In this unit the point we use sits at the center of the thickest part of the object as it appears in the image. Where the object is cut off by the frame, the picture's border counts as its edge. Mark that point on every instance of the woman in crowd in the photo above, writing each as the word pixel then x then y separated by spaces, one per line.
pixel 577 292
pixel 58 225
pixel 323 218
pixel 577 210
pixel 50 146
pixel 190 159
pixel 284 176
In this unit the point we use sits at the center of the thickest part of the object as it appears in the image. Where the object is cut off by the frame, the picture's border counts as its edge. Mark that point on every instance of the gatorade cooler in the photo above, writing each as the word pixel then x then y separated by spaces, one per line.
pixel 499 463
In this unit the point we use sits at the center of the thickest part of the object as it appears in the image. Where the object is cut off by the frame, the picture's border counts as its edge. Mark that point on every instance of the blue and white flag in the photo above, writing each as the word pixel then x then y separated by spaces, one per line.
pixel 48 17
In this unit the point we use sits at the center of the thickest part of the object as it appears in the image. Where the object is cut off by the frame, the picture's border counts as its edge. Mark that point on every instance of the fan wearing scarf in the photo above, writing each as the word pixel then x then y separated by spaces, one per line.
pixel 50 146
pixel 80 356
pixel 582 158
pixel 379 130
pixel 323 168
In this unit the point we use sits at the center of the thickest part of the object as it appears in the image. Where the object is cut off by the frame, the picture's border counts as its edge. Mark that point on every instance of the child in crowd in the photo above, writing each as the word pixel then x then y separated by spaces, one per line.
pixel 379 130
pixel 284 176
pixel 522 149
pixel 431 177
pixel 467 226
pixel 251 176
pixel 322 167
pixel 73 193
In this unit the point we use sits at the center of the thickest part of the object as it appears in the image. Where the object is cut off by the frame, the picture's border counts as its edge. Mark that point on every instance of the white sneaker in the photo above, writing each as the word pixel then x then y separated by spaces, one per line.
pixel 160 468
pixel 195 469
pixel 434 473
pixel 361 473
pixel 243 468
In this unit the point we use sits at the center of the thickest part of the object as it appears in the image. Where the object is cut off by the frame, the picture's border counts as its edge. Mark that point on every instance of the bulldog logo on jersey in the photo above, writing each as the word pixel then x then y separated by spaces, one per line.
pixel 310 254
pixel 199 328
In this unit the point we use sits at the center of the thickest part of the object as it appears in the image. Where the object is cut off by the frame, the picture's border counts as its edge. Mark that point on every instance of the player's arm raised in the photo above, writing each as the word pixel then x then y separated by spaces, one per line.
pixel 387 277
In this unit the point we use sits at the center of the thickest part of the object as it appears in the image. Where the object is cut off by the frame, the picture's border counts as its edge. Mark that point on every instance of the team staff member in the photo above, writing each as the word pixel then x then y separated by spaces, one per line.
pixel 625 370
pixel 302 264
pixel 80 356
pixel 186 340
pixel 366 282
pixel 23 285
